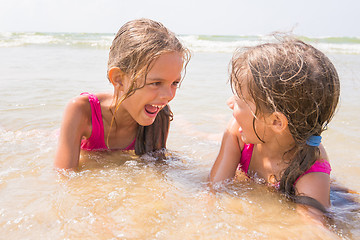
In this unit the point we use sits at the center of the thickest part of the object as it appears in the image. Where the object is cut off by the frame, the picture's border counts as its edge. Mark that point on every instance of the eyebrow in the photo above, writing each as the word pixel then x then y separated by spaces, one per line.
pixel 160 79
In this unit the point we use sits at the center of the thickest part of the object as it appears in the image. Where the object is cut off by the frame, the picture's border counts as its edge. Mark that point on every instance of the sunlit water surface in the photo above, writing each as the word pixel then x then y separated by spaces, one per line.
pixel 118 195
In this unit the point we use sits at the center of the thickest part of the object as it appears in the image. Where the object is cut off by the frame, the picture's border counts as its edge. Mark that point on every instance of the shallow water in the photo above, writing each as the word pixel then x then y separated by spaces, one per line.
pixel 120 196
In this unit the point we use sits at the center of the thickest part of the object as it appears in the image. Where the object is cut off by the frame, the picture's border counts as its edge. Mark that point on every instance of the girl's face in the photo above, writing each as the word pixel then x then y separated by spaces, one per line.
pixel 160 88
pixel 244 108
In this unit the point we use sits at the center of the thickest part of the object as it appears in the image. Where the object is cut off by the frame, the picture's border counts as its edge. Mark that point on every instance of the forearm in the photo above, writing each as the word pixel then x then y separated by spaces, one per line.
pixel 67 155
pixel 228 159
pixel 222 170
pixel 311 215
pixel 73 128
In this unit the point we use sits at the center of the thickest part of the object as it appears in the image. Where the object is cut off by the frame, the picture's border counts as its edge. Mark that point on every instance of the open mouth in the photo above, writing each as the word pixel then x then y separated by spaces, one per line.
pixel 153 109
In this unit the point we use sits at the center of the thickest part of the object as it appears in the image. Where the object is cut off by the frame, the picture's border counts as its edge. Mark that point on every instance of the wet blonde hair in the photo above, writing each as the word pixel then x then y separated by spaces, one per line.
pixel 135 47
pixel 298 80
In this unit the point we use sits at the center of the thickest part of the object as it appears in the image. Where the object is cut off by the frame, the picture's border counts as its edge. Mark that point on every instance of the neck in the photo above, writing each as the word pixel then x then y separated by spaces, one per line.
pixel 271 158
pixel 123 118
pixel 277 148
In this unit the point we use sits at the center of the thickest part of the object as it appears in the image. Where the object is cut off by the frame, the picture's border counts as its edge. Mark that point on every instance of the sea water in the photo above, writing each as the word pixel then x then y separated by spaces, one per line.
pixel 120 196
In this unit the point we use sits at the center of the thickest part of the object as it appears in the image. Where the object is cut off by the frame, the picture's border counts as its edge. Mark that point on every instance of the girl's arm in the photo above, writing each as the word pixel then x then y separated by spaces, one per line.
pixel 317 186
pixel 229 156
pixel 74 126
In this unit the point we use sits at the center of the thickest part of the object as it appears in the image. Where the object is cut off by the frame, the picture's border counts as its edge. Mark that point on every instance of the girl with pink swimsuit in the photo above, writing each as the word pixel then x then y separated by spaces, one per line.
pixel 285 95
pixel 145 66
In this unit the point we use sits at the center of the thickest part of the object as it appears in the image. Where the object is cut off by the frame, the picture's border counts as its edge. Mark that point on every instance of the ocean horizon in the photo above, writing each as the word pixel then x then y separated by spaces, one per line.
pixel 197 43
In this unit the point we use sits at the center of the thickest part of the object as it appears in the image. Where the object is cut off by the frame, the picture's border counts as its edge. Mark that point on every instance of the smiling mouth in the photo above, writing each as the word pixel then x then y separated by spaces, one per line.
pixel 153 109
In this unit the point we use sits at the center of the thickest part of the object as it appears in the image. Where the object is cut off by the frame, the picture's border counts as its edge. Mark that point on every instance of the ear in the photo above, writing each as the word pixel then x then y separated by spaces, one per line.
pixel 279 122
pixel 116 77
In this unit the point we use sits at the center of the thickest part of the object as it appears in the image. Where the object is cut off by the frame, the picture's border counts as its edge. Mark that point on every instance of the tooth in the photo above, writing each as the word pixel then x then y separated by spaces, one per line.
pixel 157 106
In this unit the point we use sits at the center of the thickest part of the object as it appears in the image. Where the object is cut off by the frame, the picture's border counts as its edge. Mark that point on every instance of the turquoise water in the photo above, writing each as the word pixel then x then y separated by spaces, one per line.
pixel 121 196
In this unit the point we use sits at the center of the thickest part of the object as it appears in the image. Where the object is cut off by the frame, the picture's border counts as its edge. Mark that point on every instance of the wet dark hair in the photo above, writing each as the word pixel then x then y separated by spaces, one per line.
pixel 135 47
pixel 153 137
pixel 299 81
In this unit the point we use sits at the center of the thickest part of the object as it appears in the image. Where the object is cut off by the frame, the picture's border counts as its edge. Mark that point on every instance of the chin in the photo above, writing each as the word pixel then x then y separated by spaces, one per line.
pixel 244 139
pixel 146 122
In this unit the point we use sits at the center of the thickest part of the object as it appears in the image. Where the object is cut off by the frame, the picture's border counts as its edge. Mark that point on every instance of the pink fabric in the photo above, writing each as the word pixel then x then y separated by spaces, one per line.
pixel 319 166
pixel 246 157
pixel 96 141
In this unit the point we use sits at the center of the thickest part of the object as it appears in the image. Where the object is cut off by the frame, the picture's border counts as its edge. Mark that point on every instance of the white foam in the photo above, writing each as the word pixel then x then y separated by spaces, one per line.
pixel 196 43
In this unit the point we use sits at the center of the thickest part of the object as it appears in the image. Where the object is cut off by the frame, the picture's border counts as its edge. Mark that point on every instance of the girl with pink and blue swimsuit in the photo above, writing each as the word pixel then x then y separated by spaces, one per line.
pixel 286 93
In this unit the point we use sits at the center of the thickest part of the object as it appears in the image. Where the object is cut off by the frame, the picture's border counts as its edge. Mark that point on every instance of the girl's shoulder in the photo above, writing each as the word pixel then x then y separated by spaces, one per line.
pixel 315 185
pixel 104 96
pixel 82 101
pixel 315 182
pixel 99 96
pixel 323 154
pixel 105 99
pixel 78 109
pixel 321 165
pixel 80 105
pixel 77 115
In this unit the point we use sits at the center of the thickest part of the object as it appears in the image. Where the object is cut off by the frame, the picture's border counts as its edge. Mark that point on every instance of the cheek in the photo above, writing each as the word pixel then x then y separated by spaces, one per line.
pixel 173 93
pixel 128 103
pixel 237 113
pixel 134 101
pixel 242 115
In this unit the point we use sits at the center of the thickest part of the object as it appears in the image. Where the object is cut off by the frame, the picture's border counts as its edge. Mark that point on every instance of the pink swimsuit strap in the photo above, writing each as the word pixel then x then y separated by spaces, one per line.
pixel 320 165
pixel 96 141
pixel 246 157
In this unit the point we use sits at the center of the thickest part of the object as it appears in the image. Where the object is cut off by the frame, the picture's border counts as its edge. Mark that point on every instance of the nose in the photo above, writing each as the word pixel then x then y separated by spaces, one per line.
pixel 168 93
pixel 230 102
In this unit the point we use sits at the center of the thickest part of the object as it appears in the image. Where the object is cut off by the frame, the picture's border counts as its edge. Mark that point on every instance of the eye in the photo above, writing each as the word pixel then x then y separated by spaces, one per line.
pixel 155 84
pixel 176 83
